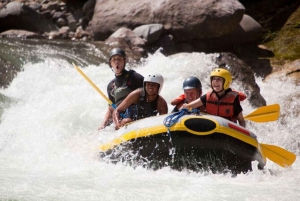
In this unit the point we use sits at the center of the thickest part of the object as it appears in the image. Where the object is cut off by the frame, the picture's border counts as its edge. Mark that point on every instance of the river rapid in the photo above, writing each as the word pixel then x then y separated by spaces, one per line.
pixel 49 140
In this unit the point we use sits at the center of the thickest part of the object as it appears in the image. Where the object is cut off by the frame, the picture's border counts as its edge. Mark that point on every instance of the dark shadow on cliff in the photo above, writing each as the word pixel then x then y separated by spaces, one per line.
pixel 271 15
pixel 257 58
pixel 254 55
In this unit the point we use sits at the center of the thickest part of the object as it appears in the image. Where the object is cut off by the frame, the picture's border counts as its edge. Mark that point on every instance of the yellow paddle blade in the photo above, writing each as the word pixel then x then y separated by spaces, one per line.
pixel 264 114
pixel 278 155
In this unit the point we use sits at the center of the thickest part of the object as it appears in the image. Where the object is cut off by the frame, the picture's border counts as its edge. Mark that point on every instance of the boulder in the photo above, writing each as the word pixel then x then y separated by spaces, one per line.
pixel 20 34
pixel 150 32
pixel 15 15
pixel 196 19
pixel 133 42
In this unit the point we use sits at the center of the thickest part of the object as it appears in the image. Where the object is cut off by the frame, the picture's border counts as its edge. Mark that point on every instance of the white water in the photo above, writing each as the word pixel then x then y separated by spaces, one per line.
pixel 49 140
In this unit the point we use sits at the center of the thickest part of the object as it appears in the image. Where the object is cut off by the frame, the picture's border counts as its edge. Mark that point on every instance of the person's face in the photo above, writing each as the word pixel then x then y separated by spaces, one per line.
pixel 151 88
pixel 217 83
pixel 191 94
pixel 117 62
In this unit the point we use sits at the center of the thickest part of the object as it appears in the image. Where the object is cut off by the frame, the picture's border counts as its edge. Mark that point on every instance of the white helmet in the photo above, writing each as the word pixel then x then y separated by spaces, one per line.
pixel 156 78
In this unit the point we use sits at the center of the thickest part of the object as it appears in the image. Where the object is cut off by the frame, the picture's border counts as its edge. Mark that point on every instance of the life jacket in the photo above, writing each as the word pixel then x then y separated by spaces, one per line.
pixel 144 108
pixel 121 92
pixel 179 100
pixel 223 107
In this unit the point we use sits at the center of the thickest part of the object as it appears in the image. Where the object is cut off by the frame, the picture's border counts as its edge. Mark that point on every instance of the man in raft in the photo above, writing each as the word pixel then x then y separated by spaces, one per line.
pixel 222 100
pixel 145 101
pixel 192 89
pixel 125 81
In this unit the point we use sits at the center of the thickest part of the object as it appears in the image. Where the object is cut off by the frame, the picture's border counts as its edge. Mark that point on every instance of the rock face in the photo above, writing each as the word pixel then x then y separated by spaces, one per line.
pixel 290 70
pixel 247 31
pixel 242 73
pixel 18 16
pixel 185 21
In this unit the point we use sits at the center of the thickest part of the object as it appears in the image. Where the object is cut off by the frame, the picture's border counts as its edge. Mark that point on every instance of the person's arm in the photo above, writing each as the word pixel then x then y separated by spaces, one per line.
pixel 238 112
pixel 194 104
pixel 162 106
pixel 178 100
pixel 132 98
pixel 241 120
pixel 107 117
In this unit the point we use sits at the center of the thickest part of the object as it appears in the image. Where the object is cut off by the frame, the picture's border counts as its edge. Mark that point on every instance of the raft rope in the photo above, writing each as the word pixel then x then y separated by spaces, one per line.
pixel 173 118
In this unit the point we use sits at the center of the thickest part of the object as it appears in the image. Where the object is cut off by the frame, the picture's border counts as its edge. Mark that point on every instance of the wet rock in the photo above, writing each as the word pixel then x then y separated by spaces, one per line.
pixel 150 32
pixel 209 18
pixel 290 70
pixel 18 16
pixel 20 34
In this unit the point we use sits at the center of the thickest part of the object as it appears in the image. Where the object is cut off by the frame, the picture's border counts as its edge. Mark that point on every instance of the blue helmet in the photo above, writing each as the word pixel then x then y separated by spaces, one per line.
pixel 192 82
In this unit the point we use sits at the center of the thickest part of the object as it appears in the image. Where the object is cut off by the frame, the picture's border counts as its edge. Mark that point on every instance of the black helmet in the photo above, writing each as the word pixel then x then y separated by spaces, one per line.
pixel 117 51
pixel 192 82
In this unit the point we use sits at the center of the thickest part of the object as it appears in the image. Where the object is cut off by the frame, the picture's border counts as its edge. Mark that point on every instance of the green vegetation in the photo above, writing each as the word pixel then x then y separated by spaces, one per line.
pixel 285 43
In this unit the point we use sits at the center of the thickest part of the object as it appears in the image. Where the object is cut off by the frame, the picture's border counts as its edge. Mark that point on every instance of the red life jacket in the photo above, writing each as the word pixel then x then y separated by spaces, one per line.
pixel 223 107
pixel 181 98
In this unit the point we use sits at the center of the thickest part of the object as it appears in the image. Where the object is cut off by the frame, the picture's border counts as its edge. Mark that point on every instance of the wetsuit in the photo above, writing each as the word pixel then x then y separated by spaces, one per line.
pixel 122 85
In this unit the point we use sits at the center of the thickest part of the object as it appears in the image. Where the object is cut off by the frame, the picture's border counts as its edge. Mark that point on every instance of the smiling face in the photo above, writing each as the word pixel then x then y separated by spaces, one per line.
pixel 151 88
pixel 217 84
pixel 191 94
pixel 117 62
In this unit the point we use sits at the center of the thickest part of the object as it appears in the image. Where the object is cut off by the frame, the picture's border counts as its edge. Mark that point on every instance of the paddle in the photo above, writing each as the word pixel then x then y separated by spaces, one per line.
pixel 95 87
pixel 278 155
pixel 264 114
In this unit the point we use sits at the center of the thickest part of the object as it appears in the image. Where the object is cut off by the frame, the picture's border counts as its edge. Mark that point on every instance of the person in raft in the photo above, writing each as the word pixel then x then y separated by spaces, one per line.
pixel 222 100
pixel 192 89
pixel 125 81
pixel 145 101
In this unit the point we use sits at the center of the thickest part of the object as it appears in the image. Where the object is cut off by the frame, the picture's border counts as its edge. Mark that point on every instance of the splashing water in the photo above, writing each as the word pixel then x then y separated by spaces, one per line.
pixel 49 139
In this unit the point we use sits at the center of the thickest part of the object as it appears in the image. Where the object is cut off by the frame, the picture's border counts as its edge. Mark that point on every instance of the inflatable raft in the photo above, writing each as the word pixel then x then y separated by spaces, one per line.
pixel 202 142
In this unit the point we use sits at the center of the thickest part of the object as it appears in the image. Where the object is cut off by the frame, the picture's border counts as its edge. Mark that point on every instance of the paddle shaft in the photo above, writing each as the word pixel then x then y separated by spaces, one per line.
pixel 93 85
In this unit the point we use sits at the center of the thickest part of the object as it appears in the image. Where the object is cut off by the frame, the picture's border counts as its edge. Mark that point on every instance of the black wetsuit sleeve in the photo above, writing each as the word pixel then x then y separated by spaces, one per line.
pixel 203 99
pixel 175 110
pixel 237 106
pixel 110 87
pixel 136 80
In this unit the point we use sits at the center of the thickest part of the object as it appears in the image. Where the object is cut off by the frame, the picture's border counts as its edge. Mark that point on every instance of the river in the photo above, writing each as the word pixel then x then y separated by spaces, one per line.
pixel 49 138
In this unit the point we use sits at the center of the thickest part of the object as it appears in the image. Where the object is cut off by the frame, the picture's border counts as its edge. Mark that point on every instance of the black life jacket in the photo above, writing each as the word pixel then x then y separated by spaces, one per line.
pixel 121 89
pixel 144 108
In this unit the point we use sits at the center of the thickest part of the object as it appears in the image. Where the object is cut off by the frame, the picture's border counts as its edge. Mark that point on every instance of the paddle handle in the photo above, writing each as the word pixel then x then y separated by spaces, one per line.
pixel 95 87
